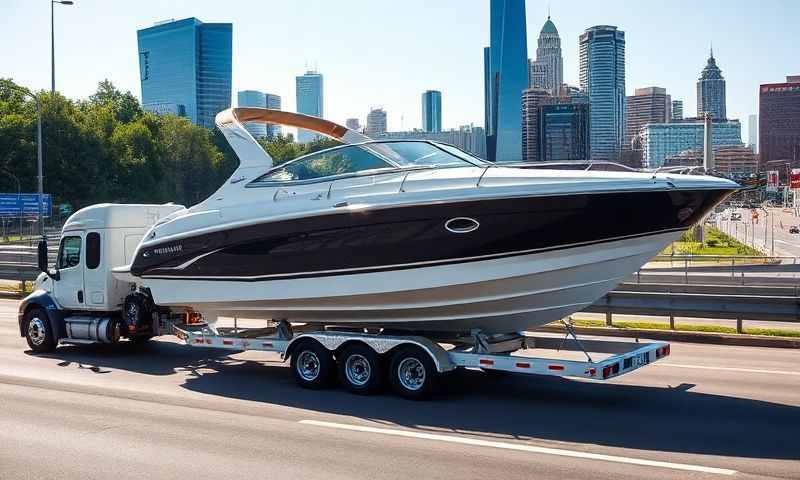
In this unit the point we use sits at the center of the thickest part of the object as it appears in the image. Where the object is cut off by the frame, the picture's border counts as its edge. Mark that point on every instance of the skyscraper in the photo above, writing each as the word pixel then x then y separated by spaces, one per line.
pixel 547 71
pixel 602 76
pixel 253 98
pixel 779 121
pixel 677 110
pixel 660 140
pixel 353 124
pixel 185 68
pixel 308 89
pixel 273 102
pixel 505 77
pixel 646 105
pixel 752 133
pixel 711 91
pixel 564 131
pixel 532 99
pixel 376 122
pixel 432 111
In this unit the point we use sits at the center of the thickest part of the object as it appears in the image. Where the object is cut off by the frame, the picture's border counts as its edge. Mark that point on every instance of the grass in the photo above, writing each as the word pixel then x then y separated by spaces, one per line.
pixel 716 243
pixel 687 327
pixel 17 288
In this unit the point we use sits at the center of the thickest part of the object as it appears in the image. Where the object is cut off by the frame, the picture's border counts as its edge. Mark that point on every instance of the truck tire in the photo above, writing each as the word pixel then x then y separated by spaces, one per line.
pixel 136 314
pixel 38 331
pixel 312 365
pixel 360 369
pixel 412 373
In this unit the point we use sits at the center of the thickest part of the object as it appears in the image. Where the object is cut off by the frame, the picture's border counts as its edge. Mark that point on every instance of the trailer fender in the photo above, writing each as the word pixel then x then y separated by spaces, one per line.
pixel 45 301
pixel 333 340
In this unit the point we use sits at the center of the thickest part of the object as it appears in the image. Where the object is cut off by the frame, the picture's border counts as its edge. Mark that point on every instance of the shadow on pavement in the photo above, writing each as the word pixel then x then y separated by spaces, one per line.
pixel 651 418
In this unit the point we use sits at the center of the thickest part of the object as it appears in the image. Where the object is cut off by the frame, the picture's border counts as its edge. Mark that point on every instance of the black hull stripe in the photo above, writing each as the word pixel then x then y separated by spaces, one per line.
pixel 385 268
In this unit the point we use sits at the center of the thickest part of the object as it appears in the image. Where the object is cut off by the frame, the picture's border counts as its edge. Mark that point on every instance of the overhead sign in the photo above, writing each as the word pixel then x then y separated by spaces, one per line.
pixel 794 179
pixel 772 181
pixel 24 204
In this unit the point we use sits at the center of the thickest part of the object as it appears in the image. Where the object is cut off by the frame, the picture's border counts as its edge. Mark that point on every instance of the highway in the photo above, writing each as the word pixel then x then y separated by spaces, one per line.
pixel 167 411
pixel 786 244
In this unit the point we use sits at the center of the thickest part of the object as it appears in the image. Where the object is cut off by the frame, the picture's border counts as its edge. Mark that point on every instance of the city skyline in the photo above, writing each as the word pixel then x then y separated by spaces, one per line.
pixel 78 70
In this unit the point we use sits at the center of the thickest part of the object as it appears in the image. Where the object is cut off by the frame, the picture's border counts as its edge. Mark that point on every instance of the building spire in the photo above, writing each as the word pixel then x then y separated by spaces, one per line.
pixel 712 49
pixel 548 10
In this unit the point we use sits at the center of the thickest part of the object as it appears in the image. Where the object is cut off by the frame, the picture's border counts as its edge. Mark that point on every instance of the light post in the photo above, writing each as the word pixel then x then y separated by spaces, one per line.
pixel 53 42
pixel 35 97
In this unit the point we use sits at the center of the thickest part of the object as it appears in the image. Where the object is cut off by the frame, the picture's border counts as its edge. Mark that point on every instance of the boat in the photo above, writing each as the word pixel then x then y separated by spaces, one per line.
pixel 409 235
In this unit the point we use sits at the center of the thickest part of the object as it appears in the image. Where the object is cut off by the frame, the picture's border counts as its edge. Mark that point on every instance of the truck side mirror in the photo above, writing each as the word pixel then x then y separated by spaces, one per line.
pixel 42 255
pixel 41 251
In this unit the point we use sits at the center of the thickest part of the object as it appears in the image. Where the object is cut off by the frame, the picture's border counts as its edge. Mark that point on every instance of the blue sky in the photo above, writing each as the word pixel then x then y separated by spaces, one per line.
pixel 386 53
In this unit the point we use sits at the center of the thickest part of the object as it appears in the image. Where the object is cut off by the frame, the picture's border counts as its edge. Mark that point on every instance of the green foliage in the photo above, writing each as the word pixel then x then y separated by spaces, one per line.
pixel 108 149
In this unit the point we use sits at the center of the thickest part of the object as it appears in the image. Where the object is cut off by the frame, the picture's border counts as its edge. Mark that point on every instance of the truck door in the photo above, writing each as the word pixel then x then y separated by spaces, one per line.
pixel 69 287
pixel 95 273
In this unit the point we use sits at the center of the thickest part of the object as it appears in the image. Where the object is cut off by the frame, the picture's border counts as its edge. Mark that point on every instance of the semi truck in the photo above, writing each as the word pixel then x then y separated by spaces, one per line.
pixel 80 301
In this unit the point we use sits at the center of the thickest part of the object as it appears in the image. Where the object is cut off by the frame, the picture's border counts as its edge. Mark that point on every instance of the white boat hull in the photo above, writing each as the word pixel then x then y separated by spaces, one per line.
pixel 495 295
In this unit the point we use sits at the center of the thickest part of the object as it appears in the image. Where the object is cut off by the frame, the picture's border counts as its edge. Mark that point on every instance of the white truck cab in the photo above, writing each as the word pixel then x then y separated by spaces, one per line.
pixel 80 294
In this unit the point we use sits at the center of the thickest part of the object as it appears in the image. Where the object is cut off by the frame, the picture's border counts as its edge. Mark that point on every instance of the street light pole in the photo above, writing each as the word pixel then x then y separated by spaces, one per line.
pixel 53 42
pixel 39 162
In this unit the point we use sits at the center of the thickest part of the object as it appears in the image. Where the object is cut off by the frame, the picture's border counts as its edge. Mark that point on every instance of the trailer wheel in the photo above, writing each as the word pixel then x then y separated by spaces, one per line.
pixel 38 332
pixel 360 369
pixel 312 365
pixel 412 373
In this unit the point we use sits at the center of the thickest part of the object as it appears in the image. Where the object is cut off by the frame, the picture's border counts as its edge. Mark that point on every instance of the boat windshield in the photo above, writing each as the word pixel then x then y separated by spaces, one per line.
pixel 366 157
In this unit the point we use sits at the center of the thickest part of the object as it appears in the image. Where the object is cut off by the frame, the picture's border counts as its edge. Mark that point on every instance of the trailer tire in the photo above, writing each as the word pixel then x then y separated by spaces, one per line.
pixel 312 365
pixel 38 331
pixel 140 339
pixel 360 369
pixel 412 373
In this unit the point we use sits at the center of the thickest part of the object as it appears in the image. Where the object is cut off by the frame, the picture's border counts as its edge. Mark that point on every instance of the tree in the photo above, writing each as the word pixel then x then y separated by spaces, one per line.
pixel 125 106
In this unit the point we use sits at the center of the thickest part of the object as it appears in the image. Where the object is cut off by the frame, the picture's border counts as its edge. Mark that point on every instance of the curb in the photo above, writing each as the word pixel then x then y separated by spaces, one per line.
pixel 739 339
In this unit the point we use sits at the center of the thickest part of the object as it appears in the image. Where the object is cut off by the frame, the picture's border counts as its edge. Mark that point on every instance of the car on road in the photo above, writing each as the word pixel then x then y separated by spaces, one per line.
pixel 794 229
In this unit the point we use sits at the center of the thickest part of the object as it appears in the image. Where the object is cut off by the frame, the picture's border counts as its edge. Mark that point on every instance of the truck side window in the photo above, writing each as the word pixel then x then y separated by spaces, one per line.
pixel 92 250
pixel 70 254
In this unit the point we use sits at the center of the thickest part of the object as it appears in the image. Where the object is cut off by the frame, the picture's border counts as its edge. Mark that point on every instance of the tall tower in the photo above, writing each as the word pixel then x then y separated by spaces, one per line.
pixel 308 89
pixel 602 76
pixel 548 70
pixel 505 77
pixel 646 105
pixel 711 90
pixel 185 68
pixel 432 111
pixel 376 122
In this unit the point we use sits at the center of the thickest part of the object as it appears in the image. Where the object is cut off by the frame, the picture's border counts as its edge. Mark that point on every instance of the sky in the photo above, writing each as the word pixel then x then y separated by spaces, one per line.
pixel 385 53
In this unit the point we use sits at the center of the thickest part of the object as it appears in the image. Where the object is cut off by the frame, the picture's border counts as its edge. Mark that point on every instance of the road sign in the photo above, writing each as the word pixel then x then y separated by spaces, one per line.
pixel 24 204
pixel 794 179
pixel 772 181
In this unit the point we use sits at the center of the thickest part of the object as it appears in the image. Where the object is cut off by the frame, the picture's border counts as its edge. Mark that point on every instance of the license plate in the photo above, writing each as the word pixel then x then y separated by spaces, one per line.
pixel 641 359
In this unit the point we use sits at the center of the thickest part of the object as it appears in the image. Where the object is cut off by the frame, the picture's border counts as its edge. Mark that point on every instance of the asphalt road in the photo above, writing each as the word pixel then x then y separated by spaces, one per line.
pixel 755 234
pixel 165 410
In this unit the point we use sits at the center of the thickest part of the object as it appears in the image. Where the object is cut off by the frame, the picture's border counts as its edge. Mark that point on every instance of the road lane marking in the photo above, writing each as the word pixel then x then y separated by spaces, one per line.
pixel 730 369
pixel 522 448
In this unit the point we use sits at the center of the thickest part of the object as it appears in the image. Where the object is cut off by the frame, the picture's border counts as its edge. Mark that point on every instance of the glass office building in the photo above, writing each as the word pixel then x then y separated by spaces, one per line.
pixel 185 68
pixel 274 103
pixel 661 140
pixel 602 76
pixel 308 89
pixel 432 111
pixel 505 77
pixel 253 98
pixel 564 132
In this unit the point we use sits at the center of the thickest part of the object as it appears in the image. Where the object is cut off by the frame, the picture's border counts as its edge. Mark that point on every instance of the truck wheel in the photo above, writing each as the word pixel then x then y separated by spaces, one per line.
pixel 136 313
pixel 412 373
pixel 312 365
pixel 360 369
pixel 38 332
